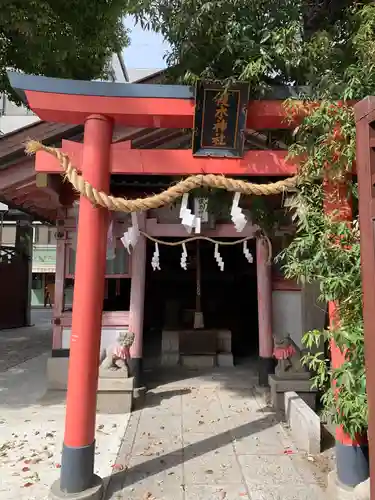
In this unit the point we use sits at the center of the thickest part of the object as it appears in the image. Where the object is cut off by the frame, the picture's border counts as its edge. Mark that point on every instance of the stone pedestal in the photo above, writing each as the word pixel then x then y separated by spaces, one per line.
pixel 301 384
pixel 57 374
pixel 115 392
pixel 197 348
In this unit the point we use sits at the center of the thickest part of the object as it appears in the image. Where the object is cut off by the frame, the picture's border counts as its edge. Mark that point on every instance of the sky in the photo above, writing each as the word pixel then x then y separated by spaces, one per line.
pixel 146 49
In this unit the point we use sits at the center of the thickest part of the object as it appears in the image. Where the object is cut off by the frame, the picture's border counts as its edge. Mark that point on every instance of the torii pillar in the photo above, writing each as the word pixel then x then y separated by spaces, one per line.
pixel 264 286
pixel 77 466
pixel 351 453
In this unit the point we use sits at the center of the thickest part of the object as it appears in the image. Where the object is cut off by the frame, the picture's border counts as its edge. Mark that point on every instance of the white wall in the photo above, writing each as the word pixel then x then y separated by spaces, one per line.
pixel 296 312
pixel 287 314
pixel 9 123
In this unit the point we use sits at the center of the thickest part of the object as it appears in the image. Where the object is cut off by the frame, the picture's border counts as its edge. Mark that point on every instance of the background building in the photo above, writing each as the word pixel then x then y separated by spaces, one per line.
pixel 44 254
pixel 12 118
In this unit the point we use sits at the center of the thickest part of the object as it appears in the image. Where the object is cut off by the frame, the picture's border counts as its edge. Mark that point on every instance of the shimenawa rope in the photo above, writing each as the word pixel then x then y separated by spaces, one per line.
pixel 263 236
pixel 99 198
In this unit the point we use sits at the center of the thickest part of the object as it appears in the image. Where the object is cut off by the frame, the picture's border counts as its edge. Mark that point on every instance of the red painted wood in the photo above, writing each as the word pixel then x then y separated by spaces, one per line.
pixel 174 162
pixel 132 112
pixel 59 288
pixel 144 112
pixel 137 291
pixel 286 285
pixel 264 285
pixel 88 290
pixel 337 204
pixel 153 228
pixel 109 319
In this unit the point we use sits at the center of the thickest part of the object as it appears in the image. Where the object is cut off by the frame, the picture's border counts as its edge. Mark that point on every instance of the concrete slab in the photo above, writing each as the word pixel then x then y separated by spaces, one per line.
pixel 303 422
pixel 362 491
pixel 31 433
pixel 17 345
pixel 338 491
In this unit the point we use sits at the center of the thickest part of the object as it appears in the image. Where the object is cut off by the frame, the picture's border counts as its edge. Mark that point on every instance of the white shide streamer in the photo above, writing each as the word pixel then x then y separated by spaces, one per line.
pixel 183 261
pixel 186 216
pixel 238 218
pixel 247 253
pixel 155 262
pixel 131 236
pixel 218 258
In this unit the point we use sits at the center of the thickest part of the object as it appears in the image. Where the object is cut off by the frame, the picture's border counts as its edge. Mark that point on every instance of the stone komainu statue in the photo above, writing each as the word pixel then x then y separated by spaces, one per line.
pixel 116 356
pixel 288 356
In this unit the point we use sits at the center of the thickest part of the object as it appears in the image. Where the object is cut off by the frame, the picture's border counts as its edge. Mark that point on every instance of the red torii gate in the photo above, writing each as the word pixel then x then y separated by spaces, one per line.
pixel 99 106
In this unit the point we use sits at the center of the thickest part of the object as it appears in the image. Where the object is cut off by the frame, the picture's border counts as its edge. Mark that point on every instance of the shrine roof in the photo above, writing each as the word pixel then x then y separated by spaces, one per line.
pixel 141 104
pixel 22 83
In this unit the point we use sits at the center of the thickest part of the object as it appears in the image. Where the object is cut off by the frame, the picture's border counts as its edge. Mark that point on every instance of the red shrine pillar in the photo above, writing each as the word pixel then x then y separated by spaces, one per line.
pixel 137 300
pixel 264 284
pixel 351 454
pixel 77 467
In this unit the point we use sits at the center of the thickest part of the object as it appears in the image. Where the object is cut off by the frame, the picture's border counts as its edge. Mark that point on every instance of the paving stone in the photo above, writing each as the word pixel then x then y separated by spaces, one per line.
pixel 18 345
pixel 306 469
pixel 150 491
pixel 266 442
pixel 159 427
pixel 154 446
pixel 160 402
pixel 198 444
pixel 217 492
pixel 290 492
pixel 143 472
pixel 213 468
pixel 269 470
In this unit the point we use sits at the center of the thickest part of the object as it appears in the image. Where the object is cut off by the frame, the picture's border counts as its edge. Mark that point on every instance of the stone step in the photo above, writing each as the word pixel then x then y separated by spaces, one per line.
pixel 198 361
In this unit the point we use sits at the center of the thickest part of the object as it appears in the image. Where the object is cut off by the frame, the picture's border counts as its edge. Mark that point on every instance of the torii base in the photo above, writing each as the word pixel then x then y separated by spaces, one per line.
pixel 93 493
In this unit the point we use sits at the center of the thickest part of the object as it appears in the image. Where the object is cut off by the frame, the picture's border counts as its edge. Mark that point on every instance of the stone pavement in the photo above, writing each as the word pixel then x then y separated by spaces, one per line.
pixel 31 433
pixel 211 437
pixel 20 344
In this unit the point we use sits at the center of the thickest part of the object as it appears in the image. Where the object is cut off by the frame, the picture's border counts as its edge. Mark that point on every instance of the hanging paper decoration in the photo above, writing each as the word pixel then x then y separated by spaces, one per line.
pixel 201 208
pixel 187 218
pixel 238 218
pixel 131 236
pixel 247 253
pixel 183 261
pixel 218 258
pixel 197 225
pixel 111 242
pixel 155 262
pixel 200 212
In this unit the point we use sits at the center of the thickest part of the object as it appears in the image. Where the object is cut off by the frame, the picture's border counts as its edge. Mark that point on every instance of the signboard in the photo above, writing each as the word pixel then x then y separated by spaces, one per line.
pixel 220 120
pixel 44 259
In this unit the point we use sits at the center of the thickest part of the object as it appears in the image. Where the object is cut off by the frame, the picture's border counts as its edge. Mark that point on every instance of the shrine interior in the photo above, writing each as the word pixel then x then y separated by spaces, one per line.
pixel 228 297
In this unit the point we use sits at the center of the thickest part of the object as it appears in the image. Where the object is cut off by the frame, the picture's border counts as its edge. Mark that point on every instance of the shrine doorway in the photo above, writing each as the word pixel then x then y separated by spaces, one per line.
pixel 228 299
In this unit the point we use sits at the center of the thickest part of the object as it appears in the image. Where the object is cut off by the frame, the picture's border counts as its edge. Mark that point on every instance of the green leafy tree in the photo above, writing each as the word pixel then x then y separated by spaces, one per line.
pixel 60 38
pixel 328 46
pixel 261 41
